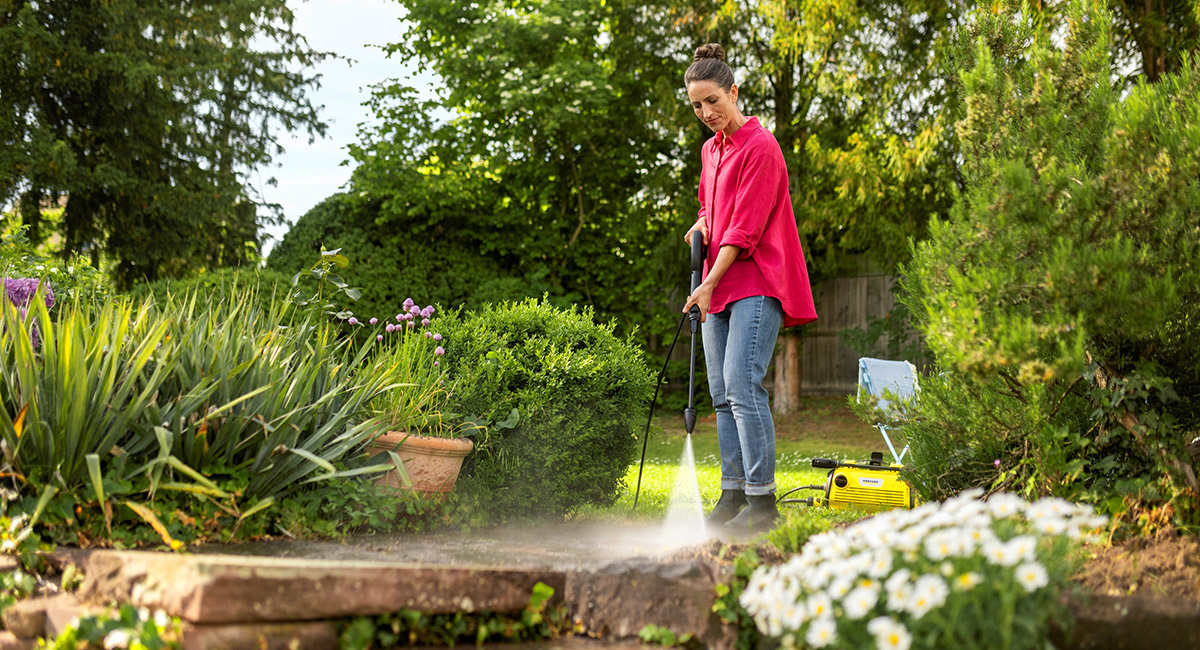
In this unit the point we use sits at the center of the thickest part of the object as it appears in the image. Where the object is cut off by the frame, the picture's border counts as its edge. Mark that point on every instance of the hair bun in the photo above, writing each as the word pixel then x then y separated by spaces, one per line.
pixel 710 51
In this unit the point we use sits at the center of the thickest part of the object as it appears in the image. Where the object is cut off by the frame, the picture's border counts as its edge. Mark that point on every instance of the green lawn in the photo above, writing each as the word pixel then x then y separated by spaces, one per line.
pixel 823 427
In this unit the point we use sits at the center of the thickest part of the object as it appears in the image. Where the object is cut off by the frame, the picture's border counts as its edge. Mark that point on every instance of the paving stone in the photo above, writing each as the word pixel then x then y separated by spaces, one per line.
pixel 618 600
pixel 568 643
pixel 26 618
pixel 229 589
pixel 260 636
pixel 61 612
pixel 9 641
pixel 9 563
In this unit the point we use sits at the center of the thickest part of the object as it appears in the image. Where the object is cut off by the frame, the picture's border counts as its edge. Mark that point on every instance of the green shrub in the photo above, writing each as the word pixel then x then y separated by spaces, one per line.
pixel 270 286
pixel 1059 296
pixel 399 259
pixel 580 393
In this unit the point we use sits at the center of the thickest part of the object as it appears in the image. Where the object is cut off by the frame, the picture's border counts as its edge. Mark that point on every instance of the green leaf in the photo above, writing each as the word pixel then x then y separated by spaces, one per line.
pixel 93 466
pixel 313 458
pixel 514 418
pixel 542 593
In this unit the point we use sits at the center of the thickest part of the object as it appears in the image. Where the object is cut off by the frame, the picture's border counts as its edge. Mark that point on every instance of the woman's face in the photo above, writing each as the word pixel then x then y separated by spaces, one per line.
pixel 715 106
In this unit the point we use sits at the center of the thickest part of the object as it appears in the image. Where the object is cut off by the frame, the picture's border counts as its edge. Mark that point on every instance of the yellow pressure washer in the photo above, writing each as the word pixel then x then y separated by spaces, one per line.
pixel 869 485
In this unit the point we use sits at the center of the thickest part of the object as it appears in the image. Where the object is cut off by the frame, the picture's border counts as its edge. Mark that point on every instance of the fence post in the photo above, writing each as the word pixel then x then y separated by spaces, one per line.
pixel 787 375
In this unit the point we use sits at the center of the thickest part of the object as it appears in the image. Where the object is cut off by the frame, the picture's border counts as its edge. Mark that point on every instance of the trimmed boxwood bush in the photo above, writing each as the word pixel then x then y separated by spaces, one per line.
pixel 579 392
pixel 445 265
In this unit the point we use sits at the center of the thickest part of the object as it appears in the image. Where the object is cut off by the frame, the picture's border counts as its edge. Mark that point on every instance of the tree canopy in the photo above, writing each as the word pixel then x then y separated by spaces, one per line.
pixel 147 119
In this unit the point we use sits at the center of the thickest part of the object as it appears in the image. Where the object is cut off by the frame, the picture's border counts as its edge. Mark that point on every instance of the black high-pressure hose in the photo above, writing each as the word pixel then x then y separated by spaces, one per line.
pixel 689 414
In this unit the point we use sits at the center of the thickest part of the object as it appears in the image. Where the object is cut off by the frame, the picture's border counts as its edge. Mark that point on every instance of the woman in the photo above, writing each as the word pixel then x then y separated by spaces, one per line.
pixel 755 280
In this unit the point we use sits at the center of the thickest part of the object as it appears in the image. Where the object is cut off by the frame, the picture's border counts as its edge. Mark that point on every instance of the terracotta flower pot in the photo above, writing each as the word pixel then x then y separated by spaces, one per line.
pixel 432 463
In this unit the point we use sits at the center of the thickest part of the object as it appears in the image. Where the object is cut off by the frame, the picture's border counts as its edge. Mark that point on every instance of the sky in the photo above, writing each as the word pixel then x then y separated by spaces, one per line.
pixel 308 173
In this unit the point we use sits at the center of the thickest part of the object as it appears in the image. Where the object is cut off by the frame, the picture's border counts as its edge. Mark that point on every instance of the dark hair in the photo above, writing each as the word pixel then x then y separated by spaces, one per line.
pixel 709 65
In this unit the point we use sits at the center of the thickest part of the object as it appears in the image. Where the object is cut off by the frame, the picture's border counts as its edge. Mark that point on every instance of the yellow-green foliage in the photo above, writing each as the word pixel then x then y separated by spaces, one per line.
pixel 1055 296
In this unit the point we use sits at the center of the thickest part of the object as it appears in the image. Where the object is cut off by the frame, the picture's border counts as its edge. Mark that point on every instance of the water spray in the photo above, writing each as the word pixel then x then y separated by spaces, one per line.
pixel 693 315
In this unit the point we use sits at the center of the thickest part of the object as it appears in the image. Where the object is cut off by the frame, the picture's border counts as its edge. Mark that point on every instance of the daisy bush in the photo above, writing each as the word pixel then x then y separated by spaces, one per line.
pixel 964 573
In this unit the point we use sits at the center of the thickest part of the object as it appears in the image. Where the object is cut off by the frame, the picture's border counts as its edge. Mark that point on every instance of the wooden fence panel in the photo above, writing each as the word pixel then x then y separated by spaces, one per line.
pixel 828 365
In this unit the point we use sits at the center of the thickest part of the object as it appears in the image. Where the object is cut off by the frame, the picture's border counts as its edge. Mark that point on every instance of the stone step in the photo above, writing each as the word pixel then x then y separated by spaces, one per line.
pixel 254 602
pixel 214 592
pixel 229 589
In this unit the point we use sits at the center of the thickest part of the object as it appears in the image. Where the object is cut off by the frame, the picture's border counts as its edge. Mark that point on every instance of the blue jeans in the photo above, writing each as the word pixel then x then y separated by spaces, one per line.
pixel 738 344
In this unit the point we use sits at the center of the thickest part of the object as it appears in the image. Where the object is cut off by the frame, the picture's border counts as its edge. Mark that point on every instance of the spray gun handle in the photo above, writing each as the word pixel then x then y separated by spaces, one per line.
pixel 698 256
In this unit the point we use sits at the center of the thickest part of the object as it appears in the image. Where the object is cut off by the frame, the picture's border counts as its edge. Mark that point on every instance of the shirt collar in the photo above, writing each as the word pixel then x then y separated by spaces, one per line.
pixel 740 136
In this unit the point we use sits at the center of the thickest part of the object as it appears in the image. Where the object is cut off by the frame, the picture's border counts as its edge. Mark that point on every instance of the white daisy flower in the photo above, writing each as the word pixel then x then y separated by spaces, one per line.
pixel 840 587
pixel 1022 547
pixel 889 634
pixel 1005 505
pixel 967 581
pixel 1032 576
pixel 1050 525
pixel 860 601
pixel 117 639
pixel 998 553
pixel 938 545
pixel 881 564
pixel 930 587
pixel 819 606
pixel 821 632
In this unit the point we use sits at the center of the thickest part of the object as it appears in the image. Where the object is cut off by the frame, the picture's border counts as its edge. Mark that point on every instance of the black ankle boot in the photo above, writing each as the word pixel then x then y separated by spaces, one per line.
pixel 759 517
pixel 728 506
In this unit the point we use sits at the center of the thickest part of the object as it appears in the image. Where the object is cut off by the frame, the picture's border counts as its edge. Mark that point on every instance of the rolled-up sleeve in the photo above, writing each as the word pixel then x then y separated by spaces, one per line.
pixel 757 190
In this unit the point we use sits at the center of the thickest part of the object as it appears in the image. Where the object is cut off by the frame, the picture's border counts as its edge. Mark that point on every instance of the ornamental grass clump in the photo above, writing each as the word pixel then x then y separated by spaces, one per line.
pixel 960 574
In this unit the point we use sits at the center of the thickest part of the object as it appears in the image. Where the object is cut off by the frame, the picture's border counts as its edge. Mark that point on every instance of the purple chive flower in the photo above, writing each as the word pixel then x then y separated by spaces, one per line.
pixel 427 312
pixel 408 302
pixel 390 327
pixel 435 364
pixel 378 337
pixel 411 324
pixel 414 310
pixel 996 462
pixel 439 351
pixel 428 335
pixel 373 321
pixel 399 317
pixel 424 322
pixel 353 321
pixel 408 317
pixel 437 337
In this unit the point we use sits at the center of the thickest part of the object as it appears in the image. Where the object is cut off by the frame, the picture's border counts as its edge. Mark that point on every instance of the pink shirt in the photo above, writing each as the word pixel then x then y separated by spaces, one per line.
pixel 745 202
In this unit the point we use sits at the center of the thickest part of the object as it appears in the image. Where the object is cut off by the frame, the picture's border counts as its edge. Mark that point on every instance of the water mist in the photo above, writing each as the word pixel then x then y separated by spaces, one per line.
pixel 685 517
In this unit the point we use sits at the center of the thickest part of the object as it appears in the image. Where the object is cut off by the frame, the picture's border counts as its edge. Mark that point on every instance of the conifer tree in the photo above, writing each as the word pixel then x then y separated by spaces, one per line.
pixel 148 118
pixel 1057 295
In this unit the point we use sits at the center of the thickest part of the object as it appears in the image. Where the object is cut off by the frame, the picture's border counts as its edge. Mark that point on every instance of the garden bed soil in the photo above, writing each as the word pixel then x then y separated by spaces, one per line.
pixel 1166 565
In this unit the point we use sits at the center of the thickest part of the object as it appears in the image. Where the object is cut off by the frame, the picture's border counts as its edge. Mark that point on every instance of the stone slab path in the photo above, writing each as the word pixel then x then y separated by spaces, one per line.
pixel 613 578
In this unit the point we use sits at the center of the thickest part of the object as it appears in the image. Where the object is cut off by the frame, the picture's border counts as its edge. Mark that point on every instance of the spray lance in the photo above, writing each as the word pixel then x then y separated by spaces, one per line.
pixel 689 414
